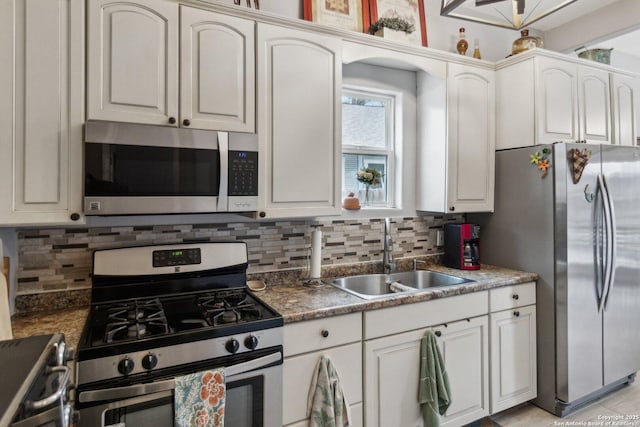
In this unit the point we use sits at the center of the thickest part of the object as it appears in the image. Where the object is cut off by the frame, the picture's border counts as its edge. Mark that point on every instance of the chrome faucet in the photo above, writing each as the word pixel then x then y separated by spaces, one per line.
pixel 387 255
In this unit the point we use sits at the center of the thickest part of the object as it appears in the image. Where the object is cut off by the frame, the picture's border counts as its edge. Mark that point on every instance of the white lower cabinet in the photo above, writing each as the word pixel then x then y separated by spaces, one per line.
pixel 392 367
pixel 513 357
pixel 340 338
pixel 465 350
pixel 487 340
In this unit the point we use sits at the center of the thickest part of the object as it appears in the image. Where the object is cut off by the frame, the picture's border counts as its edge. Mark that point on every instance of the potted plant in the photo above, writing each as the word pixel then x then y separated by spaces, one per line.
pixel 392 28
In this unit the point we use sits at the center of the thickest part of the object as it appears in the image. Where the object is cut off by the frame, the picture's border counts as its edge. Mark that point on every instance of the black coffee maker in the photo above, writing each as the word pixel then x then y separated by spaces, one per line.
pixel 462 246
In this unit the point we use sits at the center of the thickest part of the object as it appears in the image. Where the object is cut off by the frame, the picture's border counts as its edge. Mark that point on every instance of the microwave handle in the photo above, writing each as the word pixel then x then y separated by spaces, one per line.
pixel 223 150
pixel 154 387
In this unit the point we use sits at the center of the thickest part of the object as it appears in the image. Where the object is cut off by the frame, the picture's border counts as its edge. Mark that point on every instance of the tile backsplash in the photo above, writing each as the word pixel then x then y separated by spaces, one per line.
pixel 59 259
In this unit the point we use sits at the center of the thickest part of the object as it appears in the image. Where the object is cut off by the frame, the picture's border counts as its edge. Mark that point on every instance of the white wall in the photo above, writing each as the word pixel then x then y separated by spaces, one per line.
pixel 604 23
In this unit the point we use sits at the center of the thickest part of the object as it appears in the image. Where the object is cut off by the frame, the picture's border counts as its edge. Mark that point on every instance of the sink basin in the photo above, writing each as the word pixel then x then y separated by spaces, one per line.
pixel 365 286
pixel 369 286
pixel 424 279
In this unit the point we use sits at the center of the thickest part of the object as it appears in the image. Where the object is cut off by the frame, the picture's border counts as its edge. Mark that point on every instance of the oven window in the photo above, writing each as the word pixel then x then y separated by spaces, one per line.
pixel 243 408
pixel 134 170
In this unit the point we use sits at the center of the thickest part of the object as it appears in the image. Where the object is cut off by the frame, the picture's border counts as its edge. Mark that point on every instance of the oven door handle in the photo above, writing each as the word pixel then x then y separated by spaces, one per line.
pixel 118 393
pixel 33 405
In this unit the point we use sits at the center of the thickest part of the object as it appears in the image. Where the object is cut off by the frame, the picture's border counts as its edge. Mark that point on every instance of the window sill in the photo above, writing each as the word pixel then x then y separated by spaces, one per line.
pixel 372 212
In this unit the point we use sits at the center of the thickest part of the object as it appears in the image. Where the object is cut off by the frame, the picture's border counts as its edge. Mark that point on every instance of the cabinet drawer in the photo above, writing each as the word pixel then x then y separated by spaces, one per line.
pixel 393 320
pixel 299 370
pixel 319 334
pixel 512 296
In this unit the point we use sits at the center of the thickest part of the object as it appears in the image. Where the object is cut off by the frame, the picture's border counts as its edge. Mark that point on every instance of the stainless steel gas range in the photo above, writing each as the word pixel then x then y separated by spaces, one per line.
pixel 159 312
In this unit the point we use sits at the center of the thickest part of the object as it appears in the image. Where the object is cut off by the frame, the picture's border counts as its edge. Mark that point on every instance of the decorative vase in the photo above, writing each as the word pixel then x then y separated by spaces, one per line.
pixel 367 195
pixel 525 42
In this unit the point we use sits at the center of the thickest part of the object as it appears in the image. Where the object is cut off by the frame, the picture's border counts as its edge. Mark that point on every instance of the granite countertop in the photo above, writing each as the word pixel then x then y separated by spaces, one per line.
pixel 297 302
pixel 294 301
pixel 67 321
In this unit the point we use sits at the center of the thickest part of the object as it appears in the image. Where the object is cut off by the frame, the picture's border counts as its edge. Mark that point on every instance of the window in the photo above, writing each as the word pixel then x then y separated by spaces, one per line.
pixel 368 141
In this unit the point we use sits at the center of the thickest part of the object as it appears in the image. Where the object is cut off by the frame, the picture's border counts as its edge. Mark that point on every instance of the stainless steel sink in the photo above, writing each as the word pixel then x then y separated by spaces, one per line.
pixel 365 286
pixel 369 286
pixel 423 279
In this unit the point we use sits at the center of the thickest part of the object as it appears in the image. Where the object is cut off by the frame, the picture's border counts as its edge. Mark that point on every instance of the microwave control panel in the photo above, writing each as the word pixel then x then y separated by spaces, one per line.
pixel 243 173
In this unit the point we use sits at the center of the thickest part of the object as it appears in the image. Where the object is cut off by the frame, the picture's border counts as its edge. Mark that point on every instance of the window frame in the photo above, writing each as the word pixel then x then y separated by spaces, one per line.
pixel 392 101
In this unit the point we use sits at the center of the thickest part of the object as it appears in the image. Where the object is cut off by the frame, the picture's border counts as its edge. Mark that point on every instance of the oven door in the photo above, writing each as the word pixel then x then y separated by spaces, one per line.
pixel 253 399
pixel 137 169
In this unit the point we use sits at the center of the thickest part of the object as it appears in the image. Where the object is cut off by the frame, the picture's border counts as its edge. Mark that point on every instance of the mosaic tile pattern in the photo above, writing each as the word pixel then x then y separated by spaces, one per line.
pixel 59 259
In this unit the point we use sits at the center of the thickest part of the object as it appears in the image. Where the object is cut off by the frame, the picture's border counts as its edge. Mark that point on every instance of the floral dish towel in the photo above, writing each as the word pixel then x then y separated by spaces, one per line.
pixel 200 398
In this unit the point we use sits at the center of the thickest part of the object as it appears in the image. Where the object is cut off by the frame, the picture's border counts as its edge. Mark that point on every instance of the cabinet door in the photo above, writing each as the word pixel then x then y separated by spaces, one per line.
pixel 513 357
pixel 299 371
pixel 556 101
pixel 217 77
pixel 133 61
pixel 594 105
pixel 623 104
pixel 392 373
pixel 299 78
pixel 471 139
pixel 42 105
pixel 465 349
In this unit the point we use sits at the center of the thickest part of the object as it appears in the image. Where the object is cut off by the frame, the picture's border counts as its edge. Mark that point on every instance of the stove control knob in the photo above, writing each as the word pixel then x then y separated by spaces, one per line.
pixel 232 345
pixel 125 366
pixel 251 342
pixel 149 361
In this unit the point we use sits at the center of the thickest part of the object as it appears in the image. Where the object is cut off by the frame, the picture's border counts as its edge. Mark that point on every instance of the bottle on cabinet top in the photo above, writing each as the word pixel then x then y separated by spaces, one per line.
pixel 462 44
pixel 476 50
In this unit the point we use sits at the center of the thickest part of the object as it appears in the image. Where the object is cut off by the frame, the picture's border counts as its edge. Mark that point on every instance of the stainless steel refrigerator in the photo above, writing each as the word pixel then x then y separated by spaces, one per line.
pixel 583 239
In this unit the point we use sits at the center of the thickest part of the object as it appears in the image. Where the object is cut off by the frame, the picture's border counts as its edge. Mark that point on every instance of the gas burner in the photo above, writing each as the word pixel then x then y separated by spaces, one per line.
pixel 135 319
pixel 228 307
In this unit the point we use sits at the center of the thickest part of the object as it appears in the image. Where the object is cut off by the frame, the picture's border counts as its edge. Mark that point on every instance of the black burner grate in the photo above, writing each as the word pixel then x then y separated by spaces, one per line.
pixel 134 320
pixel 228 307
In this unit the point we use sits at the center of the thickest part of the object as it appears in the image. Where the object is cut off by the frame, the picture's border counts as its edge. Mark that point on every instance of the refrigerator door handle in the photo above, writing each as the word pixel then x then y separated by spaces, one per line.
pixel 609 247
pixel 611 243
pixel 599 230
pixel 607 241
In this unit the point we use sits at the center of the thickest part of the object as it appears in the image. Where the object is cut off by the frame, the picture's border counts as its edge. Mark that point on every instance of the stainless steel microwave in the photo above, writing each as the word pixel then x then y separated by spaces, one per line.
pixel 139 169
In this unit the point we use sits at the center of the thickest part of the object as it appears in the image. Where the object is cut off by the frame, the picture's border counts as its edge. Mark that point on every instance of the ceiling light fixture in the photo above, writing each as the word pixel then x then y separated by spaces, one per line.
pixel 514 14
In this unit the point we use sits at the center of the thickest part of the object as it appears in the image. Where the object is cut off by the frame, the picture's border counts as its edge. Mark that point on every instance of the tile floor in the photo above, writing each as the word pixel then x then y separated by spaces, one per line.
pixel 624 402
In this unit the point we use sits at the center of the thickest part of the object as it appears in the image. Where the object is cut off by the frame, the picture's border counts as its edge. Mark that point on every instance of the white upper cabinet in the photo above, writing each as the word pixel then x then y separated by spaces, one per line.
pixel 41 104
pixel 456 140
pixel 544 98
pixel 556 89
pixel 133 61
pixel 594 105
pixel 623 105
pixel 217 71
pixel 299 84
pixel 154 62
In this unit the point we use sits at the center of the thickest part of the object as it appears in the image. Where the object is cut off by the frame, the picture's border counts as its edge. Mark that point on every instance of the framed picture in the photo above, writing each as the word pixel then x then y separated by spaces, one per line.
pixel 345 14
pixel 409 10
